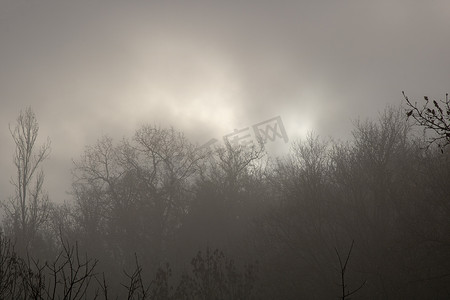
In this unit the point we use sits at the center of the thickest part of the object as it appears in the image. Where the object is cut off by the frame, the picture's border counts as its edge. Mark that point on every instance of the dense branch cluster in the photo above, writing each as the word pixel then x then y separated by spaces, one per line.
pixel 434 117
pixel 155 217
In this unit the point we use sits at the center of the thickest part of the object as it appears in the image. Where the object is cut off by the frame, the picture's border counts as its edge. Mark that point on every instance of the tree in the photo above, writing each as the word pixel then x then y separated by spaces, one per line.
pixel 434 117
pixel 221 205
pixel 299 226
pixel 27 210
pixel 132 195
pixel 346 293
pixel 214 276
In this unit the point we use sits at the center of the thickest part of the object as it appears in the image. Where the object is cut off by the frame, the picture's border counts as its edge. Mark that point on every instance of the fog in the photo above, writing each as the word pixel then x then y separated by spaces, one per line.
pixel 263 150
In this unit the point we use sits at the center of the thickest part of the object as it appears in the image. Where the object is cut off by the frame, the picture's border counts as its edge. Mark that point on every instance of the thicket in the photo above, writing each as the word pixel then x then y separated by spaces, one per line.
pixel 367 218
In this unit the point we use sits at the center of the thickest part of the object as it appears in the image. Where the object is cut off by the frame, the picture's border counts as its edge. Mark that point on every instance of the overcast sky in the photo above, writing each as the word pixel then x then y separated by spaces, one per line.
pixel 89 68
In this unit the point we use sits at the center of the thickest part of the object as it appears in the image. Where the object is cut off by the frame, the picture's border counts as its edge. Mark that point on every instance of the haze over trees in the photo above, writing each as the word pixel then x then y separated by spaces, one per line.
pixel 155 217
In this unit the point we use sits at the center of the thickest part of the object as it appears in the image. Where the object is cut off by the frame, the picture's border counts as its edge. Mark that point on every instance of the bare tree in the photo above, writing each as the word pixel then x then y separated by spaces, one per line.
pixel 27 209
pixel 434 117
pixel 346 293
pixel 132 194
pixel 230 164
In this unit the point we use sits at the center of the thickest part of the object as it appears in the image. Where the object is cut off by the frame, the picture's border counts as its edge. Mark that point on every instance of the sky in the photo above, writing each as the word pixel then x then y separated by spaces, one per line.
pixel 97 67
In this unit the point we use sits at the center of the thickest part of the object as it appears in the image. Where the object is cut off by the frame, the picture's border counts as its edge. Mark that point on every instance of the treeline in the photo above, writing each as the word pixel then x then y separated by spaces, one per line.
pixel 368 218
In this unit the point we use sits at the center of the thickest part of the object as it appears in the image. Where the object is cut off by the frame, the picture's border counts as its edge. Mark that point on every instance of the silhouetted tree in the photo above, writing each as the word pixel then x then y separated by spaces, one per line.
pixel 216 277
pixel 224 199
pixel 346 292
pixel 131 196
pixel 27 209
pixel 434 117
pixel 299 226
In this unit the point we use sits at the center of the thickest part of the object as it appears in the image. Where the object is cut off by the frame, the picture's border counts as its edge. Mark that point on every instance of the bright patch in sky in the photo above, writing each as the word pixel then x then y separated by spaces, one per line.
pixel 179 83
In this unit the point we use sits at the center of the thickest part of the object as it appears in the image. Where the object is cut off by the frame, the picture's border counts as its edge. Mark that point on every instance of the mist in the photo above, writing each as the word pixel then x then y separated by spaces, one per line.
pixel 199 150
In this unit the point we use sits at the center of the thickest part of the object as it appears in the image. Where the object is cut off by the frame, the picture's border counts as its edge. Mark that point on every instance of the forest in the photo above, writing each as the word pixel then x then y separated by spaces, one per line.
pixel 153 216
